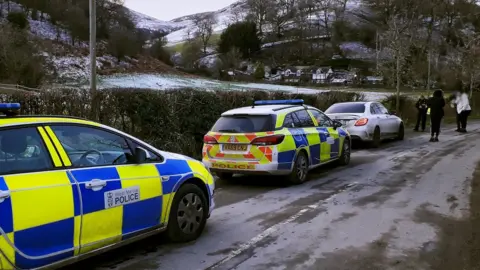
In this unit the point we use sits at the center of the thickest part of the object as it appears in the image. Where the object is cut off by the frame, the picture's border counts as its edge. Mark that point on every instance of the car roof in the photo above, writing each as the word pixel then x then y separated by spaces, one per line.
pixel 265 109
pixel 352 102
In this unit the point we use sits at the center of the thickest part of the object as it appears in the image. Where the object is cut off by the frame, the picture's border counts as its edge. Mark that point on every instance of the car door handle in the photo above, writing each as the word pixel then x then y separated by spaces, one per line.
pixel 96 184
pixel 4 195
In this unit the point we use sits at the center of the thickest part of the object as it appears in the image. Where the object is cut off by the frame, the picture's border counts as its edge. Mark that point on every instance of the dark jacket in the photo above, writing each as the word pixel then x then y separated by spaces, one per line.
pixel 436 104
pixel 421 104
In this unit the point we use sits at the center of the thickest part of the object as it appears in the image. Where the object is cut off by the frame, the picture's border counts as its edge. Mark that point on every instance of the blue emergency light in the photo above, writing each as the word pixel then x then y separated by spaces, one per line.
pixel 9 109
pixel 279 102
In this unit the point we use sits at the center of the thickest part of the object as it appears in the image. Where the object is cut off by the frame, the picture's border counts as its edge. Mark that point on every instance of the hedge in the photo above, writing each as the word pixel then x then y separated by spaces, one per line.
pixel 173 120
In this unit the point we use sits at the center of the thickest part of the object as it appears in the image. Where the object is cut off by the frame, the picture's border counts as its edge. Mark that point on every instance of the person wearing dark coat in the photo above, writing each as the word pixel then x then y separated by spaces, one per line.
pixel 421 106
pixel 436 104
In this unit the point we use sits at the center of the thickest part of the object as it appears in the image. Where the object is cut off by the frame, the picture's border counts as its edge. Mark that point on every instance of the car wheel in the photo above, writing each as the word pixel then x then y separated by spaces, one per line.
pixel 376 138
pixel 188 214
pixel 401 132
pixel 300 169
pixel 346 152
pixel 224 175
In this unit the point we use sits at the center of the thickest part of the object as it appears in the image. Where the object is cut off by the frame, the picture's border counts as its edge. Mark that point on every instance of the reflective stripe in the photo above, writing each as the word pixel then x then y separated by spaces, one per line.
pixel 51 149
pixel 40 120
pixel 58 145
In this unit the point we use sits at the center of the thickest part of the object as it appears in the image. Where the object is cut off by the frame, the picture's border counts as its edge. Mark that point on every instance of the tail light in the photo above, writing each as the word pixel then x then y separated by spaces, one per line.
pixel 268 140
pixel 361 122
pixel 209 139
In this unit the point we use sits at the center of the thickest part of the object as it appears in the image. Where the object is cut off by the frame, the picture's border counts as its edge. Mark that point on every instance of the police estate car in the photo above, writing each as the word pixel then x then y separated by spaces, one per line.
pixel 70 188
pixel 281 137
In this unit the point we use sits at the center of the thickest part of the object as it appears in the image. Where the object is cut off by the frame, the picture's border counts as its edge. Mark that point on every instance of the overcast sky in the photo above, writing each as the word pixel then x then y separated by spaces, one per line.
pixel 170 9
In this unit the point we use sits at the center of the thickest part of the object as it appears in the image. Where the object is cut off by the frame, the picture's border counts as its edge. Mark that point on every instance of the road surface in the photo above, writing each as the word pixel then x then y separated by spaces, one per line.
pixel 388 209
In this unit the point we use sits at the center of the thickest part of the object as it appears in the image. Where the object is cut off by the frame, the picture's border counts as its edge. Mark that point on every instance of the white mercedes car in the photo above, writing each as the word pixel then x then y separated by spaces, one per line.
pixel 367 121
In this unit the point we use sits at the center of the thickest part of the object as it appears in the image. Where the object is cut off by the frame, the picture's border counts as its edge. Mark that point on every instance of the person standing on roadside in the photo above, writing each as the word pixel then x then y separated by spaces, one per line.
pixel 463 109
pixel 436 104
pixel 421 106
pixel 452 99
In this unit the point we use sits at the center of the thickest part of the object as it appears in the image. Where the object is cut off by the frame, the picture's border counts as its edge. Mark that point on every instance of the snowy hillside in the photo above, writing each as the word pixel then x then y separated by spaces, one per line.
pixel 224 16
pixel 239 10
pixel 150 23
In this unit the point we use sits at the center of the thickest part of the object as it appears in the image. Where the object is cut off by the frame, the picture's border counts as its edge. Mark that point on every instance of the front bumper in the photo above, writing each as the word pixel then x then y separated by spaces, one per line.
pixel 360 133
pixel 241 167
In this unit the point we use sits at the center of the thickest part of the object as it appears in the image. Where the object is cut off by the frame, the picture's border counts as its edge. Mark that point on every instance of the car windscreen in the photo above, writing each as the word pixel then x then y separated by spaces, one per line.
pixel 346 108
pixel 244 124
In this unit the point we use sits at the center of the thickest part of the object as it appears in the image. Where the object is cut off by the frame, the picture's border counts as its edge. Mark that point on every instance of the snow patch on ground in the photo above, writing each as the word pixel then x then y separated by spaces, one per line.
pixel 163 82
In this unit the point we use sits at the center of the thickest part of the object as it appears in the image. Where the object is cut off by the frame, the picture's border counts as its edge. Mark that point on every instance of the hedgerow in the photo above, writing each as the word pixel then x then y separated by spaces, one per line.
pixel 173 120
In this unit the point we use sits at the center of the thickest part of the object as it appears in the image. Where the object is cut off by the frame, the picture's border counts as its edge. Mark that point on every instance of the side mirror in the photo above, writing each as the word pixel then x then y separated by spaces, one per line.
pixel 337 124
pixel 393 113
pixel 140 155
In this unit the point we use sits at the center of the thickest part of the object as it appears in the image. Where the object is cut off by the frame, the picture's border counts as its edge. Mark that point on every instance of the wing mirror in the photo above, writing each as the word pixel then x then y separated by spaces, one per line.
pixel 393 113
pixel 337 124
pixel 140 156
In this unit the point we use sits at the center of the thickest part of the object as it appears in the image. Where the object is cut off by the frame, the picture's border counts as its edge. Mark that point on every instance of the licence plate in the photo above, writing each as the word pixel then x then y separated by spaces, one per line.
pixel 235 147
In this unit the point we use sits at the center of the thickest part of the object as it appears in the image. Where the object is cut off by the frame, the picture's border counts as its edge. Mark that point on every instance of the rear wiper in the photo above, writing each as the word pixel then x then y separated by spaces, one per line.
pixel 227 130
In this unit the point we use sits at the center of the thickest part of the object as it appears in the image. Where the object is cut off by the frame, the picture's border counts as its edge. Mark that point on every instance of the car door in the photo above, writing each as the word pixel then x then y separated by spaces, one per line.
pixel 329 137
pixel 381 118
pixel 125 197
pixel 307 136
pixel 391 125
pixel 39 209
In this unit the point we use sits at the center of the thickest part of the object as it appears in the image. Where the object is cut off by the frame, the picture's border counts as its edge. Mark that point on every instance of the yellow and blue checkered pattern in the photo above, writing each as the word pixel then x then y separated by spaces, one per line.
pixel 51 216
pixel 314 141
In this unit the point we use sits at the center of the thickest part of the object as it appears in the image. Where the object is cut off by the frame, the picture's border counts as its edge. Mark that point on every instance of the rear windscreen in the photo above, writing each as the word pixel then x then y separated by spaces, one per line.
pixel 244 124
pixel 346 108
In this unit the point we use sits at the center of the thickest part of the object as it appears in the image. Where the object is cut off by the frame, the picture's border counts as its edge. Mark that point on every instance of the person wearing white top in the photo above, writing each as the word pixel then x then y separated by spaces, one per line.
pixel 463 110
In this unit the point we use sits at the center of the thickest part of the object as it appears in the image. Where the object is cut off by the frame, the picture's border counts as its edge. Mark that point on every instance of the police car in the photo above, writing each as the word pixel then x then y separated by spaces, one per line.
pixel 71 188
pixel 279 137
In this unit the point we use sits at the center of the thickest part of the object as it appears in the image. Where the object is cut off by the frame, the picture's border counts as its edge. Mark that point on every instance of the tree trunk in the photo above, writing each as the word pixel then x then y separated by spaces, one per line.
pixel 471 86
pixel 398 84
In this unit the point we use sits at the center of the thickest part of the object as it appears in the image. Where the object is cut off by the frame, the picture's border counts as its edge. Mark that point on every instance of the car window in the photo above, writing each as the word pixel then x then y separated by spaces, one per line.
pixel 244 124
pixel 373 109
pixel 305 120
pixel 346 108
pixel 322 119
pixel 289 121
pixel 88 146
pixel 22 150
pixel 382 109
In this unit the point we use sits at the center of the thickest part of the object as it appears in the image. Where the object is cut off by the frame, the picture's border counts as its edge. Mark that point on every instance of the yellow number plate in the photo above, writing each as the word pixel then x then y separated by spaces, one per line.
pixel 235 147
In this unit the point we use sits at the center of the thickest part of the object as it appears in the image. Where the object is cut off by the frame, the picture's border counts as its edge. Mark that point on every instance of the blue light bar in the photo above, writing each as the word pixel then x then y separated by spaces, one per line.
pixel 10 106
pixel 280 102
pixel 9 109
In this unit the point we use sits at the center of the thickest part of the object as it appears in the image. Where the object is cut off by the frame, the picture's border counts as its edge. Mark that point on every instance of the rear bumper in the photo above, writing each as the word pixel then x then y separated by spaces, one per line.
pixel 360 133
pixel 241 167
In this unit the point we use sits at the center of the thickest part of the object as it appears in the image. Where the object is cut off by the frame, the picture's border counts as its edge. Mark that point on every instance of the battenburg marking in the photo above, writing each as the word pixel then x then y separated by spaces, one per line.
pixel 122 196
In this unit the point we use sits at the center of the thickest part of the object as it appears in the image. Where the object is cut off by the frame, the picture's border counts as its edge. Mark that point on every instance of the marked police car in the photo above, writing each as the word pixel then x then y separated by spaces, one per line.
pixel 279 137
pixel 70 188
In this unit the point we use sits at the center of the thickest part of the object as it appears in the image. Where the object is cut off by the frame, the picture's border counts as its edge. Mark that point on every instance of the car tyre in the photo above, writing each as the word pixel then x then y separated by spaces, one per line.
pixel 224 175
pixel 300 169
pixel 376 138
pixel 346 152
pixel 401 132
pixel 188 214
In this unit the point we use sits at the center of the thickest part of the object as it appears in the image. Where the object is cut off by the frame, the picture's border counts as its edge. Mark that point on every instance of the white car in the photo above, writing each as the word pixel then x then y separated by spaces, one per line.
pixel 367 121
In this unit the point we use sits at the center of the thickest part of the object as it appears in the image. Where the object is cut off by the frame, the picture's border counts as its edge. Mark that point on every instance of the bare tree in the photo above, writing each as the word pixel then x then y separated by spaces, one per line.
pixel 258 10
pixel 280 14
pixel 204 24
pixel 324 9
pixel 398 37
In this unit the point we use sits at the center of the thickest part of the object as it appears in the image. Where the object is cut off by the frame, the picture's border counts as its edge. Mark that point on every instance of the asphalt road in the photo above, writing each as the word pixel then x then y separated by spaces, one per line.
pixel 383 211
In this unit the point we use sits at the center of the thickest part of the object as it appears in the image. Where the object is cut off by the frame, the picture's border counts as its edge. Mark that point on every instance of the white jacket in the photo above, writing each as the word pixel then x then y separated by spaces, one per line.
pixel 462 103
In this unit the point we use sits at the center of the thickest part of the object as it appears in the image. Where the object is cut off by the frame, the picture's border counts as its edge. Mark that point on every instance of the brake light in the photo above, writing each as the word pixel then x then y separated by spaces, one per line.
pixel 361 122
pixel 268 140
pixel 209 139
